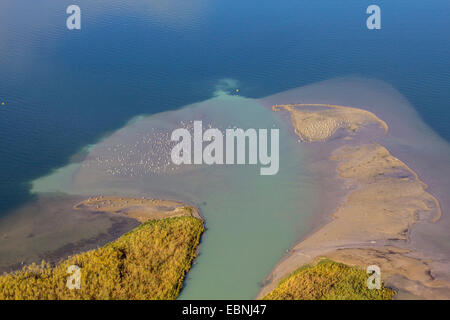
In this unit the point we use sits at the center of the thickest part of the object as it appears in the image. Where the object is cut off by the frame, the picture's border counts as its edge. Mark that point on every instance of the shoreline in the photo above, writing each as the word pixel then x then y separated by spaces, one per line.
pixel 141 209
pixel 347 236
pixel 149 262
pixel 124 214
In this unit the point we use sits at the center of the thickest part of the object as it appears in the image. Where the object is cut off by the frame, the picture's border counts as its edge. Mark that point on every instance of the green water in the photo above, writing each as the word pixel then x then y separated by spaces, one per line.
pixel 249 228
pixel 251 219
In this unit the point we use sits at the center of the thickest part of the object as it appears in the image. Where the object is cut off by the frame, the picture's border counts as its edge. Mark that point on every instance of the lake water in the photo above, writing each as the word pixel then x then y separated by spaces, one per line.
pixel 65 90
pixel 251 219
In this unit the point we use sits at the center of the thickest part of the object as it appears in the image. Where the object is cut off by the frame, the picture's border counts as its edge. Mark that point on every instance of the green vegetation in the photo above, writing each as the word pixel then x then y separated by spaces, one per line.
pixel 149 262
pixel 328 280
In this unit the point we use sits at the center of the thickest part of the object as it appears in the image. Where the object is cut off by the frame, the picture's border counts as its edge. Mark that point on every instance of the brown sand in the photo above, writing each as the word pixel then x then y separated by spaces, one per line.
pixel 141 209
pixel 387 199
pixel 318 122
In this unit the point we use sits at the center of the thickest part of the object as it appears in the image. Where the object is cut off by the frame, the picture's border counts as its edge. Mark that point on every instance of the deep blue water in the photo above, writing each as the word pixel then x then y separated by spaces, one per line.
pixel 65 89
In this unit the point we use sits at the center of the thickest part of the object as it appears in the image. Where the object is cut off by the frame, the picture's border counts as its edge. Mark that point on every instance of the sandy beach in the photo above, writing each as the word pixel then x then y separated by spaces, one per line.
pixel 385 199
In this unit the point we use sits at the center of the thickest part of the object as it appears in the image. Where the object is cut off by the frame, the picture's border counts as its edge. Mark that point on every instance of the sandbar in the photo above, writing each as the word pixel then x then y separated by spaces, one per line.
pixel 385 199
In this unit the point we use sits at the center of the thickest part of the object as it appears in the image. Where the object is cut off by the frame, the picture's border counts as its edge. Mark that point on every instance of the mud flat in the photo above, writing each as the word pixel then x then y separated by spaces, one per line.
pixel 141 209
pixel 148 263
pixel 48 228
pixel 384 200
pixel 55 226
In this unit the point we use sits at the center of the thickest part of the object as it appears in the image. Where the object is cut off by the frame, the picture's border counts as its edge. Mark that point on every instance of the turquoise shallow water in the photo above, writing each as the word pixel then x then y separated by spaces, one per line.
pixel 251 219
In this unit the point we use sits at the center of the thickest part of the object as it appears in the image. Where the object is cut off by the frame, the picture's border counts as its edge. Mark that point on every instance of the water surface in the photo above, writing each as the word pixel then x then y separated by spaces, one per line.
pixel 67 90
pixel 251 219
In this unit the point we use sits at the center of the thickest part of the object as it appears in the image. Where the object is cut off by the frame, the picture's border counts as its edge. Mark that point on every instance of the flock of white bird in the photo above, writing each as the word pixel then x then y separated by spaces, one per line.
pixel 148 154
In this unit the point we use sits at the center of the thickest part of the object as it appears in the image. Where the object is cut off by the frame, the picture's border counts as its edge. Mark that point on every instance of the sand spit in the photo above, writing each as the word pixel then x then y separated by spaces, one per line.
pixel 53 227
pixel 141 209
pixel 385 199
pixel 318 122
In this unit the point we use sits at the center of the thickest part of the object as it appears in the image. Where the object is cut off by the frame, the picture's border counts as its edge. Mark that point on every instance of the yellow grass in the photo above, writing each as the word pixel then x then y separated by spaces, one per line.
pixel 328 280
pixel 149 262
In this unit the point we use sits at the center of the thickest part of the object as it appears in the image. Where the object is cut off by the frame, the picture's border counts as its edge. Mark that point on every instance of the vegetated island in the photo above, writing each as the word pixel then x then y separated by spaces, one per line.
pixel 149 262
pixel 385 200
pixel 328 280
